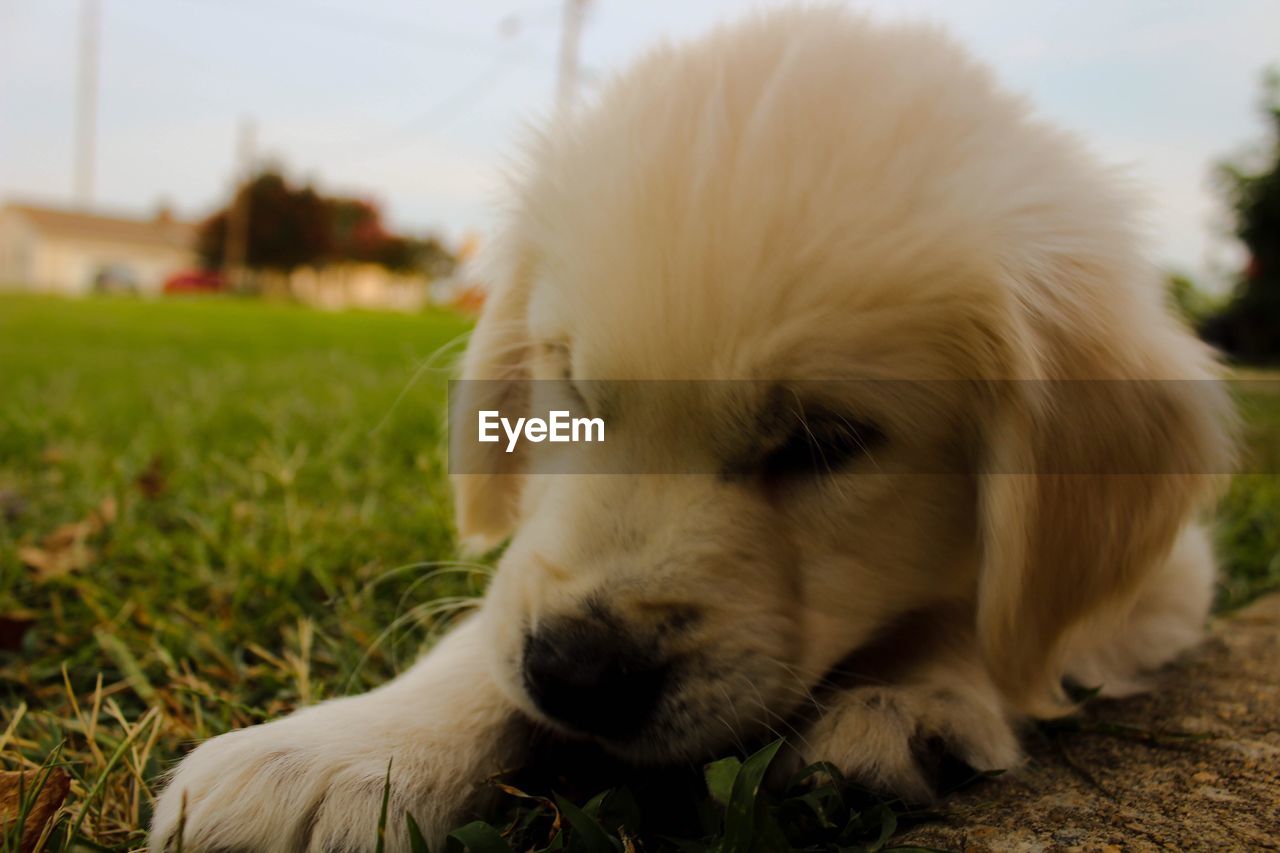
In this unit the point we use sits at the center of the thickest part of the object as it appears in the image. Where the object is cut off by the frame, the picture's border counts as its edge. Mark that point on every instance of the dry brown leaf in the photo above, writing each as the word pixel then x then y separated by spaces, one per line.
pixel 66 535
pixel 13 627
pixel 153 481
pixel 49 564
pixel 53 455
pixel 14 785
pixel 35 558
pixel 107 512
pixel 66 549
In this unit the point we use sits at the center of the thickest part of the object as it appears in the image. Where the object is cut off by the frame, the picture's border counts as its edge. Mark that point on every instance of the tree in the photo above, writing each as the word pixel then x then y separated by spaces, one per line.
pixel 288 227
pixel 291 227
pixel 427 256
pixel 1191 303
pixel 1248 327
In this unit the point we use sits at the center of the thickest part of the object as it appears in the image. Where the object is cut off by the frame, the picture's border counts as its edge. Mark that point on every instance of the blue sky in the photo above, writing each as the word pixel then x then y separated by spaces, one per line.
pixel 420 105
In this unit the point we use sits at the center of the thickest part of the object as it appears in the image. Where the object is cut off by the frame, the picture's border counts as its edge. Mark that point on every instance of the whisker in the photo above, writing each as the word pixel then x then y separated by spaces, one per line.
pixel 431 608
pixel 734 731
pixel 428 365
pixel 760 703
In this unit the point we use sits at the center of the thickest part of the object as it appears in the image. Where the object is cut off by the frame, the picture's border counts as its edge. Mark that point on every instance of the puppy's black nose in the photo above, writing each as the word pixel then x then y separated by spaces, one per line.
pixel 585 674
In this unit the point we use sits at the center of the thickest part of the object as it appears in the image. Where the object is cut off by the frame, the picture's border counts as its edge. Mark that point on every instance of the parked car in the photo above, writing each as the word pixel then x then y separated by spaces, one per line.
pixel 115 278
pixel 195 281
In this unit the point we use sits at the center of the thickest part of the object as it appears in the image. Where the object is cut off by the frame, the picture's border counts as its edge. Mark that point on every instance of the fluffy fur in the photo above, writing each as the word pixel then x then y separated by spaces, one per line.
pixel 805 195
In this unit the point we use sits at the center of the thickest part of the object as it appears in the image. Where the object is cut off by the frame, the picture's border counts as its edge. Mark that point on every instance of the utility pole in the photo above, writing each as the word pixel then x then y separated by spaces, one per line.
pixel 87 101
pixel 575 12
pixel 236 255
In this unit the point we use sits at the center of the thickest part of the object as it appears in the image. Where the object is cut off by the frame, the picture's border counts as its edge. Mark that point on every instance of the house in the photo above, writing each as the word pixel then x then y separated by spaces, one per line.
pixel 73 251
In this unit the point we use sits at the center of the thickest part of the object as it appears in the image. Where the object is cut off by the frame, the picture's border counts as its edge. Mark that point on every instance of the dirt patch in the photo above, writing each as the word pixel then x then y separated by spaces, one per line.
pixel 1195 764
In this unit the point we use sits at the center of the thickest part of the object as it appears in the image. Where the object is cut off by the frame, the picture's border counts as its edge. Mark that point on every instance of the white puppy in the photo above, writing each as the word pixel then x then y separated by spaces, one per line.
pixel 803 198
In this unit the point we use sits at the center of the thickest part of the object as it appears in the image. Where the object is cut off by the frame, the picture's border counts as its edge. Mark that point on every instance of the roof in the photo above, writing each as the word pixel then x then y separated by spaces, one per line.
pixel 160 231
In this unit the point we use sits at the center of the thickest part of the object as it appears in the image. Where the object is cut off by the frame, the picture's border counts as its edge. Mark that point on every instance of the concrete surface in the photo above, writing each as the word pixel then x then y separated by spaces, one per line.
pixel 1193 765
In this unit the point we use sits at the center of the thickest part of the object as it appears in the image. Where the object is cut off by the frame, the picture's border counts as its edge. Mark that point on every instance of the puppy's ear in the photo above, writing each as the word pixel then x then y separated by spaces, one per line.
pixel 486 480
pixel 1095 460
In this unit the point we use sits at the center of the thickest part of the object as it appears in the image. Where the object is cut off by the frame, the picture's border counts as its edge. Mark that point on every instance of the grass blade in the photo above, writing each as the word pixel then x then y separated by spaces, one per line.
pixel 147 719
pixel 417 843
pixel 381 846
pixel 588 835
pixel 739 818
pixel 719 776
pixel 478 837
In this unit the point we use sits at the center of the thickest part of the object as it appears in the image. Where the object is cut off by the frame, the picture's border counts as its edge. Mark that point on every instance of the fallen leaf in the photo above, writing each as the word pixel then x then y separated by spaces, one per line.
pixel 53 455
pixel 46 564
pixel 13 627
pixel 54 563
pixel 66 535
pixel 66 549
pixel 107 512
pixel 153 481
pixel 16 785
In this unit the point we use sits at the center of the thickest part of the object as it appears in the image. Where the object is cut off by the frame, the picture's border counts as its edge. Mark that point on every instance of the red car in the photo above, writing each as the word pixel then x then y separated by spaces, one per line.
pixel 195 281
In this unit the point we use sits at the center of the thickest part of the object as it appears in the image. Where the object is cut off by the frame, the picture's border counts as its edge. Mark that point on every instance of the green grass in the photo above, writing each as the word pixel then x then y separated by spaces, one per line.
pixel 1248 523
pixel 276 481
pixel 236 508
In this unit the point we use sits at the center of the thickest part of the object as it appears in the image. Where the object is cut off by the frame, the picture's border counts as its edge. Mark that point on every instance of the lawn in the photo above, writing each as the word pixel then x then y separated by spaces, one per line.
pixel 218 509
pixel 212 512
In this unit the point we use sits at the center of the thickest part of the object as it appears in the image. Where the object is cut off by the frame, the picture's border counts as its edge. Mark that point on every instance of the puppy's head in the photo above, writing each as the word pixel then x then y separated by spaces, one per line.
pixel 853 225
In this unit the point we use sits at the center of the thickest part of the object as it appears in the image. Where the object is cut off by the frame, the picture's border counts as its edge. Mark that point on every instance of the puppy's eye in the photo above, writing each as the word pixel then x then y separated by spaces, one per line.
pixel 556 356
pixel 560 361
pixel 817 444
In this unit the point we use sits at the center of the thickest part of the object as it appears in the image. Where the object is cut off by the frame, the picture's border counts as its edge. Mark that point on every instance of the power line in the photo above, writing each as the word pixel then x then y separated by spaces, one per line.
pixel 384 27
pixel 442 113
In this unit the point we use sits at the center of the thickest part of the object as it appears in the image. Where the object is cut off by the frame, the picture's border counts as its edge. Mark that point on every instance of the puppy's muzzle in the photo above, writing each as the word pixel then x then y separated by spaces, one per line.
pixel 586 675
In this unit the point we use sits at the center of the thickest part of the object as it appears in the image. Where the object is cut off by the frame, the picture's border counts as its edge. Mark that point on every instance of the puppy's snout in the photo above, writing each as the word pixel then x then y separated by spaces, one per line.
pixel 590 677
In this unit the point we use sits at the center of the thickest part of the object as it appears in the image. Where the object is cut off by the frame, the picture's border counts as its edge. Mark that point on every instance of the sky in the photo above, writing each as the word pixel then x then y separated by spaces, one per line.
pixel 421 104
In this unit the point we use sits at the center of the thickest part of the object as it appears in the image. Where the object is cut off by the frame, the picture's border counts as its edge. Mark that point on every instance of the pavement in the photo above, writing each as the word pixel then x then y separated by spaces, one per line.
pixel 1192 765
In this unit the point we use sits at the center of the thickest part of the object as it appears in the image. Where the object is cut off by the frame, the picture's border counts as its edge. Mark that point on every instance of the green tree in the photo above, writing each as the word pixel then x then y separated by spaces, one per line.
pixel 1249 326
pixel 1191 303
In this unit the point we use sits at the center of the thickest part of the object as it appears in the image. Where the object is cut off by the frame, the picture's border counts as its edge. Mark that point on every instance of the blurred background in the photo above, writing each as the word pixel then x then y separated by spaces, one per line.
pixel 236 244
pixel 408 112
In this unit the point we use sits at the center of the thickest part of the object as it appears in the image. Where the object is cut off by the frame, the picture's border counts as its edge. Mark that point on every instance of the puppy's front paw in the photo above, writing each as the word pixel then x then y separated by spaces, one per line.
pixel 313 782
pixel 883 737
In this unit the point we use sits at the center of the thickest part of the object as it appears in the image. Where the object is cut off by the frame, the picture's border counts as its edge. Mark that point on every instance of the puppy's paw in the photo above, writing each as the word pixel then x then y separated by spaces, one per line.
pixel 890 738
pixel 312 782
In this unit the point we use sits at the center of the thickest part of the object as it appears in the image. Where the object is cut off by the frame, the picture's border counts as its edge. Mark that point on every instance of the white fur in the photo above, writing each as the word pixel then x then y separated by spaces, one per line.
pixel 314 780
pixel 805 195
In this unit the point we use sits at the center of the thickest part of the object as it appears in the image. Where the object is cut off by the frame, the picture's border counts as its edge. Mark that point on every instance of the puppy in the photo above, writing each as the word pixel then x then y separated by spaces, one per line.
pixel 804 198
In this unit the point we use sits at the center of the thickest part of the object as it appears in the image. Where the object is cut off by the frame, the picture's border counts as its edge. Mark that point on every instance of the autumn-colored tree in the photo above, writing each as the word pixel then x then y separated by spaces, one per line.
pixel 357 231
pixel 291 227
